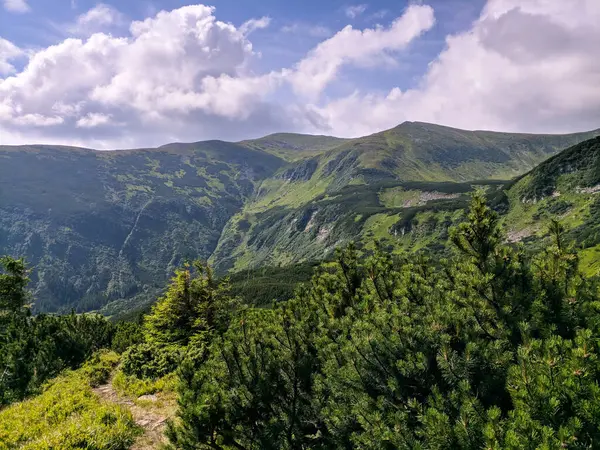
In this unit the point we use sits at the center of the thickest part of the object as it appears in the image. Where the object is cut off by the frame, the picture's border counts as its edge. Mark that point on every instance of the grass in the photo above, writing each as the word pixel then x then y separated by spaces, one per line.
pixel 398 197
pixel 535 215
pixel 68 415
pixel 377 227
pixel 589 261
pixel 282 193
pixel 131 386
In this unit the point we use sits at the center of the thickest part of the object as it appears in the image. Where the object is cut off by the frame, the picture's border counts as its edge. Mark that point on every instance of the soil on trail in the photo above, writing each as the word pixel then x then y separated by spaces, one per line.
pixel 149 416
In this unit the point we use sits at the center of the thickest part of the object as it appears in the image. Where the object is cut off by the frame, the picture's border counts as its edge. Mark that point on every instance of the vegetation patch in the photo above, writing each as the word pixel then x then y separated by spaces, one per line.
pixel 67 415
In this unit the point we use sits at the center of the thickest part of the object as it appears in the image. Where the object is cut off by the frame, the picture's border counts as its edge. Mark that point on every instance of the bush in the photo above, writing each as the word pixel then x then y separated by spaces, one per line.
pixel 489 348
pixel 100 366
pixel 148 361
pixel 41 347
pixel 126 335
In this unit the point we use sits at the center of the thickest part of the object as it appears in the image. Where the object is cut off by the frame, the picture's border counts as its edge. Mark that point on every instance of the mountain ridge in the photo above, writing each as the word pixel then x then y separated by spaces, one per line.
pixel 105 229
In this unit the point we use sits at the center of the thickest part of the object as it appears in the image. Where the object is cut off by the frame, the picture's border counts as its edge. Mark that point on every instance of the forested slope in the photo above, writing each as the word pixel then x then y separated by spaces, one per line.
pixel 107 226
pixel 493 347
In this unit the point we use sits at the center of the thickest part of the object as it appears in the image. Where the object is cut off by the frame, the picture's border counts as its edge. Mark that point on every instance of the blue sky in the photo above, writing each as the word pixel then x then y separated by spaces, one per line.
pixel 78 71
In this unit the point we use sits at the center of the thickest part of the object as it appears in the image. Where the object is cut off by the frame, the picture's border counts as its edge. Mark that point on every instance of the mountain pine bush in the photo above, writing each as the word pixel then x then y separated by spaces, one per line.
pixel 491 348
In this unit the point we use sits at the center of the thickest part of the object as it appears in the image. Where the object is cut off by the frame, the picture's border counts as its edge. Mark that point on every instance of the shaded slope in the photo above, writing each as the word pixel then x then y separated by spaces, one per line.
pixel 106 226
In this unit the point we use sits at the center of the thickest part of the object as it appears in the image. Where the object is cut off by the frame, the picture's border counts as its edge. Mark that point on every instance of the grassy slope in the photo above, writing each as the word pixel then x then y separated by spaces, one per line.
pixel 566 186
pixel 281 236
pixel 67 415
pixel 293 147
pixel 330 190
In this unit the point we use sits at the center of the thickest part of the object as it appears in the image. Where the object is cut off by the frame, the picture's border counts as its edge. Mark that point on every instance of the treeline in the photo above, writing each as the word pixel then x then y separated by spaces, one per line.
pixel 493 348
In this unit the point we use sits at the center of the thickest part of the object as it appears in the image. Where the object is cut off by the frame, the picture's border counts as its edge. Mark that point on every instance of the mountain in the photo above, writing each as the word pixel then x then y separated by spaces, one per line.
pixel 292 147
pixel 567 187
pixel 108 226
pixel 104 230
pixel 403 186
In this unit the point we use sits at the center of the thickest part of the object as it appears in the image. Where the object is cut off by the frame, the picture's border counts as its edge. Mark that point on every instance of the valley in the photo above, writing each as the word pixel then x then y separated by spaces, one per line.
pixel 104 231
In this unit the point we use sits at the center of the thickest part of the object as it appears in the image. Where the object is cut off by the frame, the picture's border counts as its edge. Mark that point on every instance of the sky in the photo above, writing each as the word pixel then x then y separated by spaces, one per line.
pixel 144 73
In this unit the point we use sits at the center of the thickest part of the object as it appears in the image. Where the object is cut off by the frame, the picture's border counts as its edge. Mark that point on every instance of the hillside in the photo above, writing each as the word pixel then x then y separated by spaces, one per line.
pixel 379 350
pixel 293 147
pixel 405 186
pixel 105 230
pixel 567 186
pixel 107 226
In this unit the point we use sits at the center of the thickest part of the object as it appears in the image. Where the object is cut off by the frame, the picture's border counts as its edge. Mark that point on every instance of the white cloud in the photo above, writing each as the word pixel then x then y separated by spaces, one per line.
pixel 16 6
pixel 358 47
pixel 524 66
pixel 8 52
pixel 98 18
pixel 37 120
pixel 254 24
pixel 175 62
pixel 354 11
pixel 180 72
pixel 92 120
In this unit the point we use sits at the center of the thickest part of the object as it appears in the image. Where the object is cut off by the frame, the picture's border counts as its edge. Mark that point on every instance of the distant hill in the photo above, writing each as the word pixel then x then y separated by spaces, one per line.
pixel 292 147
pixel 104 230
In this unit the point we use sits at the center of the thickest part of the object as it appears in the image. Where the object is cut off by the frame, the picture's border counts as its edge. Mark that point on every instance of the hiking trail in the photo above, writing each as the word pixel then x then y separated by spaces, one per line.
pixel 150 412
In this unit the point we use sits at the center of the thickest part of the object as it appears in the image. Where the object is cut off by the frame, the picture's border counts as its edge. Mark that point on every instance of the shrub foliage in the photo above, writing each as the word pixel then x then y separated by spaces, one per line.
pixel 492 348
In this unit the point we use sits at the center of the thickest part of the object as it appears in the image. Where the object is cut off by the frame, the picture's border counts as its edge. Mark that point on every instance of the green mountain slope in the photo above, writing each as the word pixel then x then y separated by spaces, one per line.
pixel 362 188
pixel 566 186
pixel 104 230
pixel 107 226
pixel 414 151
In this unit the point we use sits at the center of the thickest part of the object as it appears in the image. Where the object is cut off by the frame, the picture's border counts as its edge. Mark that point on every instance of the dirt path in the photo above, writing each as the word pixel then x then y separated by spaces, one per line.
pixel 152 422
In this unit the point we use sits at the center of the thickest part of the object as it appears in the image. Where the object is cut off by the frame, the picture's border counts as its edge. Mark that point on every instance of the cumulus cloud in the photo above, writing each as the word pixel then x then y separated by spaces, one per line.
pixel 523 66
pixel 16 6
pixel 358 47
pixel 98 18
pixel 8 52
pixel 354 11
pixel 181 71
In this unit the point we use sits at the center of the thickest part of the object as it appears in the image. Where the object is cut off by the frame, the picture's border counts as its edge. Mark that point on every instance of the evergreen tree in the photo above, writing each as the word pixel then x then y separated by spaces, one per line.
pixel 195 307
